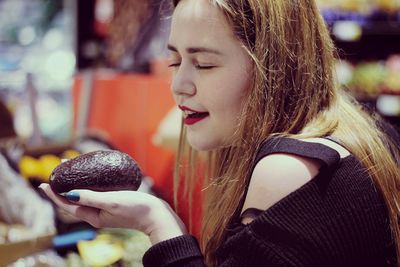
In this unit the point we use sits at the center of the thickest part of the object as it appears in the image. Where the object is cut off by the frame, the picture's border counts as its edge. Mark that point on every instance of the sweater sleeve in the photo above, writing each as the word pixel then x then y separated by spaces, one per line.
pixel 179 251
pixel 242 249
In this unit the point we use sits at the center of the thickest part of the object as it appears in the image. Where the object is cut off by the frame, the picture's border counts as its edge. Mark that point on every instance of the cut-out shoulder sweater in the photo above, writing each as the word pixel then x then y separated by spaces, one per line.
pixel 338 218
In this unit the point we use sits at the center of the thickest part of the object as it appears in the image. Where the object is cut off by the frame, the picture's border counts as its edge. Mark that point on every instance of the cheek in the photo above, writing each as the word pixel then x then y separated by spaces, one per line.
pixel 233 112
pixel 235 104
pixel 235 95
pixel 227 110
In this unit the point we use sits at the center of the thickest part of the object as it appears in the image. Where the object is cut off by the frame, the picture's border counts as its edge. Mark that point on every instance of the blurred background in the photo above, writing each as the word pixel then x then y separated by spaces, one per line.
pixel 78 76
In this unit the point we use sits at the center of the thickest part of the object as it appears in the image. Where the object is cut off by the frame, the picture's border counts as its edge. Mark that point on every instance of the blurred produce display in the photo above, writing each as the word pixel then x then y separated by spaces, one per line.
pixel 111 248
pixel 371 78
pixel 350 19
pixel 24 239
pixel 374 82
pixel 367 36
pixel 36 40
pixel 13 233
pixel 42 167
pixel 365 7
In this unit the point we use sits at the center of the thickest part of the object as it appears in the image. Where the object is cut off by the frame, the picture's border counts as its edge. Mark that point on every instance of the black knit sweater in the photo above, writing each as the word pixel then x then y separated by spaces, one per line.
pixel 338 218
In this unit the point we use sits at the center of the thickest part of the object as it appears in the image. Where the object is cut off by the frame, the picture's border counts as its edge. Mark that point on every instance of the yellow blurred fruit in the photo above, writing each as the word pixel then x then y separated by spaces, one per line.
pixel 70 154
pixel 48 163
pixel 100 252
pixel 29 167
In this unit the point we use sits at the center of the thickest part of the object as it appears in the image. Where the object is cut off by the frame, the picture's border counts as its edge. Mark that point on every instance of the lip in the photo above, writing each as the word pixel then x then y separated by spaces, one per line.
pixel 185 108
pixel 190 120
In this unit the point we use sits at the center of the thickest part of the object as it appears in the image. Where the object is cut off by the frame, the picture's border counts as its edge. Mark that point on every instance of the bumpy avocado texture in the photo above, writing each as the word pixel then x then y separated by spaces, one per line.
pixel 106 170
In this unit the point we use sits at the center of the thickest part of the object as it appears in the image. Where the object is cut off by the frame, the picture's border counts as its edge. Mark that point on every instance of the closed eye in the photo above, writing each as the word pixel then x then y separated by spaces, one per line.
pixel 173 65
pixel 200 67
pixel 204 67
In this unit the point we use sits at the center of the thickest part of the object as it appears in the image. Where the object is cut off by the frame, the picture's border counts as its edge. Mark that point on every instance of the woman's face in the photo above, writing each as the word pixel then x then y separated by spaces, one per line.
pixel 210 73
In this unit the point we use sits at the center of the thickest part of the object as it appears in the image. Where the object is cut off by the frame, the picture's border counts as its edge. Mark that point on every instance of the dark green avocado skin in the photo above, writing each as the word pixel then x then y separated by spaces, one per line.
pixel 105 170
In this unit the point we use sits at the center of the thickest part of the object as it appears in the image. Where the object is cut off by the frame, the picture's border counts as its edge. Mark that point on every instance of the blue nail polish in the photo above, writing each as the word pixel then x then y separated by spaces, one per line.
pixel 72 196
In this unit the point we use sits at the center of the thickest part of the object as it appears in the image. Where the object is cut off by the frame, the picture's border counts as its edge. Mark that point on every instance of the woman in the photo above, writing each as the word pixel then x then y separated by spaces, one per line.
pixel 298 174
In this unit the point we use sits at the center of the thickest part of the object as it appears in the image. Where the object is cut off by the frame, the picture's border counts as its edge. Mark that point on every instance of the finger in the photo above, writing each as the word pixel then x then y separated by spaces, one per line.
pixel 56 198
pixel 59 200
pixel 99 200
pixel 87 214
pixel 79 197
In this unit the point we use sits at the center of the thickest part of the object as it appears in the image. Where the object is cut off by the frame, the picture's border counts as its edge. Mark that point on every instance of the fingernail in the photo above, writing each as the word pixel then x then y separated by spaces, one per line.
pixel 72 196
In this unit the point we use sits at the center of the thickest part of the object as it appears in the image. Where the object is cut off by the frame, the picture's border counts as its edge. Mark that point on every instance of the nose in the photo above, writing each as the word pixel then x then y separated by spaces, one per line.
pixel 182 83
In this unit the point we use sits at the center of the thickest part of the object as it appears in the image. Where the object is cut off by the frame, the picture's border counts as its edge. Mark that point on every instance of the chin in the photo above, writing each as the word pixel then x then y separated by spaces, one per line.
pixel 202 146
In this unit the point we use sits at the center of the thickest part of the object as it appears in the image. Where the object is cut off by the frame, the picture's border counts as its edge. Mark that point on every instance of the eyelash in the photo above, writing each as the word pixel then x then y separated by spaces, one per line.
pixel 204 67
pixel 174 65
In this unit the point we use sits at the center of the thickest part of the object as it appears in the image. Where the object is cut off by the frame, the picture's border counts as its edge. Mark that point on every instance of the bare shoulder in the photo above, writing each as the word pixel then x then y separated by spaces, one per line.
pixel 277 175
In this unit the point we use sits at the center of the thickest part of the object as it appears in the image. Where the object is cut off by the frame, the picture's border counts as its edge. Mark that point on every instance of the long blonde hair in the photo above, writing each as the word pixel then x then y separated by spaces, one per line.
pixel 294 94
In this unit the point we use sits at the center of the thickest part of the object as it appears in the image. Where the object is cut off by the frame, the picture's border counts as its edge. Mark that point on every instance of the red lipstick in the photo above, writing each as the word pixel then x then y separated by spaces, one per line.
pixel 193 116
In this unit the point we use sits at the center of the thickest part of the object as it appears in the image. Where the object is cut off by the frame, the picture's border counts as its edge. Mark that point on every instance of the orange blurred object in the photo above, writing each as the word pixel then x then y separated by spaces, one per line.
pixel 129 107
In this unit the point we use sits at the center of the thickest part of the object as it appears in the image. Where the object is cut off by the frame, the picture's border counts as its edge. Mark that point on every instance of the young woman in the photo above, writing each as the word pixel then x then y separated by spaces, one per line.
pixel 298 174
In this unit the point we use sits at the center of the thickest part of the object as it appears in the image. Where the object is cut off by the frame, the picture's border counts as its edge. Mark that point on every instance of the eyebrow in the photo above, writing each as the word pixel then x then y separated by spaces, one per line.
pixel 193 50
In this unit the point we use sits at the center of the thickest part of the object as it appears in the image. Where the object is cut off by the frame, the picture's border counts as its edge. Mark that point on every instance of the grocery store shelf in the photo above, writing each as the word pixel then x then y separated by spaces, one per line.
pixel 332 16
pixel 382 28
pixel 376 28
pixel 388 105
pixel 377 23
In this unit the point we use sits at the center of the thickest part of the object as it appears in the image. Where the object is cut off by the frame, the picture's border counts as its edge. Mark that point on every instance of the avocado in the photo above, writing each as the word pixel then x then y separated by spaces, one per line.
pixel 104 170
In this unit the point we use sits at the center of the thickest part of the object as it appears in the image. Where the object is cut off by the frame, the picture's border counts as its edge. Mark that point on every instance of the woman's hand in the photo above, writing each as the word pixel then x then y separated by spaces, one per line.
pixel 121 209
